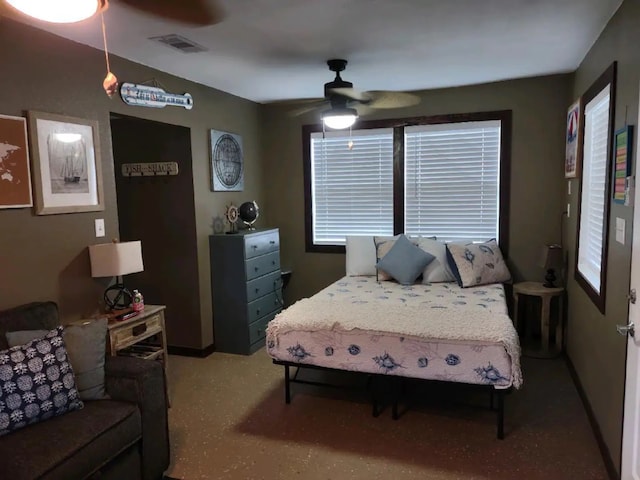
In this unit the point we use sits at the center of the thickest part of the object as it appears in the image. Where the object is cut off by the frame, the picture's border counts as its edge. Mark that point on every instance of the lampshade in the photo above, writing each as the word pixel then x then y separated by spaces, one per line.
pixel 59 11
pixel 116 259
pixel 339 118
pixel 551 256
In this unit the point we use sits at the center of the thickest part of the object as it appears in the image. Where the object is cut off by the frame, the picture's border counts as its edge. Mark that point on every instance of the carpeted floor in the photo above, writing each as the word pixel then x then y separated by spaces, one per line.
pixel 229 421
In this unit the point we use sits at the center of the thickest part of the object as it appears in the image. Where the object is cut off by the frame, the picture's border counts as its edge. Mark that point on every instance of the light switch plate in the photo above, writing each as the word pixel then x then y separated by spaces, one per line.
pixel 569 187
pixel 620 226
pixel 568 210
pixel 100 227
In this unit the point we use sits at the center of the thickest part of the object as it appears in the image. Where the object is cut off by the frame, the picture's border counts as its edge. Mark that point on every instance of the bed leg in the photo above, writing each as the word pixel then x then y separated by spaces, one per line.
pixel 491 402
pixel 287 385
pixel 500 414
pixel 397 385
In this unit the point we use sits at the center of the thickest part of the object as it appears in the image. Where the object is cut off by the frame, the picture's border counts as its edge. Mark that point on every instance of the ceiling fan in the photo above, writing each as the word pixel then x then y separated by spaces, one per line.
pixel 346 103
pixel 193 12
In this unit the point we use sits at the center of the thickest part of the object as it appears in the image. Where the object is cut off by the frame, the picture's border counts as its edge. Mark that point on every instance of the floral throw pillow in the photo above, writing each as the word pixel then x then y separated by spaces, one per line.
pixel 36 382
pixel 477 263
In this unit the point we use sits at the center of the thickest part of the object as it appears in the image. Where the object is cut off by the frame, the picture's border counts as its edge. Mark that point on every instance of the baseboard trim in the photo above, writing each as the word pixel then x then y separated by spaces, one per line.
pixel 191 352
pixel 604 450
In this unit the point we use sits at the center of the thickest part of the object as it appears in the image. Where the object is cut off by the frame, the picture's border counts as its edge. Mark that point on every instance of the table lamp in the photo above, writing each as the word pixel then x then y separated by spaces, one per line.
pixel 550 260
pixel 116 259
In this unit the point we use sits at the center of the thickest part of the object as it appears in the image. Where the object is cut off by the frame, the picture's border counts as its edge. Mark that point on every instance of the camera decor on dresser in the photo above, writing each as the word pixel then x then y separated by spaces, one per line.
pixel 246 288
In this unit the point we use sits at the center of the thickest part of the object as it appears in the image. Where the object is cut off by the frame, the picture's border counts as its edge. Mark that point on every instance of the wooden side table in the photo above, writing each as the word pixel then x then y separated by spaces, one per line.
pixel 546 294
pixel 126 337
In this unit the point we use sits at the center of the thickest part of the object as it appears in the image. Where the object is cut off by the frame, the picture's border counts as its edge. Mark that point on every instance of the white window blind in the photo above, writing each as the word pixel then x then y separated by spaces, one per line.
pixel 594 178
pixel 452 180
pixel 352 188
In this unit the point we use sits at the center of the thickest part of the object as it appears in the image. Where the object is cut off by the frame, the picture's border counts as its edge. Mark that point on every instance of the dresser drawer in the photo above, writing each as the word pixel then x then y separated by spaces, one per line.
pixel 262 306
pixel 262 285
pixel 255 245
pixel 258 329
pixel 258 266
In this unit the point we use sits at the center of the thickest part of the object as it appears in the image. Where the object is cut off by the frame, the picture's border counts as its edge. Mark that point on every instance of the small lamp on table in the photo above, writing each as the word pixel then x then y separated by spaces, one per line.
pixel 551 260
pixel 116 259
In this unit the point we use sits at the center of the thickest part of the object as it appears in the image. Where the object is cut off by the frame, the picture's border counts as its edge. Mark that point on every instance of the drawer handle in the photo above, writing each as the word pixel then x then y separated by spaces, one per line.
pixel 258 311
pixel 272 242
pixel 254 247
pixel 273 262
pixel 257 290
pixel 139 329
pixel 256 269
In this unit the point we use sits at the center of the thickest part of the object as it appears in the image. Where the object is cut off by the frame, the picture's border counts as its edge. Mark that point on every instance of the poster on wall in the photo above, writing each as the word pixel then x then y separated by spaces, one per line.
pixel 622 164
pixel 227 162
pixel 572 159
pixel 15 176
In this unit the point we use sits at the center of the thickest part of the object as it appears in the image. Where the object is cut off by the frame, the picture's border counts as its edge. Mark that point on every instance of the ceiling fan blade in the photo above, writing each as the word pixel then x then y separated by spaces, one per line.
pixel 363 109
pixel 308 108
pixel 351 93
pixel 194 12
pixel 387 99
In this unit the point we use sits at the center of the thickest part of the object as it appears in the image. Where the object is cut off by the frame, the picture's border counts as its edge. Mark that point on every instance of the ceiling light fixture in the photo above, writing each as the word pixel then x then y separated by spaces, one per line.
pixel 59 11
pixel 340 118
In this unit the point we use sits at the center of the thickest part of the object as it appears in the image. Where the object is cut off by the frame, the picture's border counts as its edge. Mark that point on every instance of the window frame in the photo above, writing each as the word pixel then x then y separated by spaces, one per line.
pixel 607 78
pixel 398 124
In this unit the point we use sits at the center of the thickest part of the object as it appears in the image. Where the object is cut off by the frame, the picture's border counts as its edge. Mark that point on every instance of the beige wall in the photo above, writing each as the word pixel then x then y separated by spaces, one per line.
pixel 596 350
pixel 45 257
pixel 537 195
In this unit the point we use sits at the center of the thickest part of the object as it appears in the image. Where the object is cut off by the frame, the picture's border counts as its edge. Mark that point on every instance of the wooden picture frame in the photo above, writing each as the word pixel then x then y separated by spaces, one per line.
pixel 66 164
pixel 573 138
pixel 15 173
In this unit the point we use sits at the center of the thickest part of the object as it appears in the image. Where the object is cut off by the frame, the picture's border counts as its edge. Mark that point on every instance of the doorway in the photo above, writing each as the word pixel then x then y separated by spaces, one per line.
pixel 159 210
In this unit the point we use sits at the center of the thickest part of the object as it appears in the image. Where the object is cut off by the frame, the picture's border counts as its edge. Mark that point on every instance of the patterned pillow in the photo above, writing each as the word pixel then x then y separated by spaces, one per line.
pixel 36 382
pixel 405 261
pixel 477 263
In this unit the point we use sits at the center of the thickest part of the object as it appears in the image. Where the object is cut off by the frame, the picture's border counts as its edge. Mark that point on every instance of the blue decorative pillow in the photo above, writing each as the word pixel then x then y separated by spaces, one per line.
pixel 475 264
pixel 36 382
pixel 405 261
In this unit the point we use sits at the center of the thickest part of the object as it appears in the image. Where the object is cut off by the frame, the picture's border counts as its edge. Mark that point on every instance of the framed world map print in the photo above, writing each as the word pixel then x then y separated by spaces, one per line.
pixel 227 162
pixel 15 176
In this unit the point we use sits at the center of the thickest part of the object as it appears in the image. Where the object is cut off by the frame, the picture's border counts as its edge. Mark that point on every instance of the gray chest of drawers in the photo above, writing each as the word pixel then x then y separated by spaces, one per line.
pixel 246 288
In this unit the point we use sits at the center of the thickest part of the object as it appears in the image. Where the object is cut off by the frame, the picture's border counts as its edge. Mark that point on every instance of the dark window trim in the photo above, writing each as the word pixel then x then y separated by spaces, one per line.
pixel 505 117
pixel 608 77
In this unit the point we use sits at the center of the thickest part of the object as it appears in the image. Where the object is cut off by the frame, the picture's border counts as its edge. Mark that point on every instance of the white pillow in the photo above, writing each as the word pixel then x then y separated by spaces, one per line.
pixel 361 255
pixel 438 270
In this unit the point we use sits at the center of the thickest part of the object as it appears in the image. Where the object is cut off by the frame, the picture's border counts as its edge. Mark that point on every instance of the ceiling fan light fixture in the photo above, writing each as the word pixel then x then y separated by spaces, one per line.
pixel 339 118
pixel 59 11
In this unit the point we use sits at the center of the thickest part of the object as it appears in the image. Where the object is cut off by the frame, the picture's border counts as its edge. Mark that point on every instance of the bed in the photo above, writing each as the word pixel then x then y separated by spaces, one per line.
pixel 433 331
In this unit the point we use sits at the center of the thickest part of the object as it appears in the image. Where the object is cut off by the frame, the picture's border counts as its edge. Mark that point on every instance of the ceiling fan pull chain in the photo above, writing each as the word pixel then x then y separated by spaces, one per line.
pixel 110 82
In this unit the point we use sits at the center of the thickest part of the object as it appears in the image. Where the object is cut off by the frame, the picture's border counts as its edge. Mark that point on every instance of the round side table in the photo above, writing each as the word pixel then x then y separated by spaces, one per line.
pixel 546 294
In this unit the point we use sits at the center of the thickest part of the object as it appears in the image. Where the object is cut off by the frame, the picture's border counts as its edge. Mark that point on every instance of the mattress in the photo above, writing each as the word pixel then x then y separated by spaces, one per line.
pixel 428 331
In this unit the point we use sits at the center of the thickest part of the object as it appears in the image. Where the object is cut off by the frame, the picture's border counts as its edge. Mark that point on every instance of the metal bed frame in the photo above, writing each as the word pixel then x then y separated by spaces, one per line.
pixel 396 391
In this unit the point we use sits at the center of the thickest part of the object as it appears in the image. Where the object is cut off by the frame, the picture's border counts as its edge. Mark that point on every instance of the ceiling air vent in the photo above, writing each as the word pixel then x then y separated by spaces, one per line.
pixel 179 43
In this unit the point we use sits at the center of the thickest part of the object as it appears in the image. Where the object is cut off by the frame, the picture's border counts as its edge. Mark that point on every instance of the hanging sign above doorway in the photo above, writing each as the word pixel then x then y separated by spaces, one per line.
pixel 156 97
pixel 149 169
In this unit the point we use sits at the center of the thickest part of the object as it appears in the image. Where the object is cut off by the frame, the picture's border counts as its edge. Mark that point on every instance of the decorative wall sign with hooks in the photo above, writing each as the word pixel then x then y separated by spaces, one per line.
pixel 149 169
pixel 153 96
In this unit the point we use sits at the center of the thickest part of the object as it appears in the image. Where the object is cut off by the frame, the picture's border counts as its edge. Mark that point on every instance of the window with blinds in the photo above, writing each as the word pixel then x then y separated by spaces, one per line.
pixel 594 183
pixel 452 180
pixel 351 184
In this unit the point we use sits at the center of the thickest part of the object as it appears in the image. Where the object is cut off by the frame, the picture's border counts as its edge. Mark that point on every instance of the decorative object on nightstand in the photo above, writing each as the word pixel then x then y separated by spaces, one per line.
pixel 546 294
pixel 246 288
pixel 249 213
pixel 116 259
pixel 551 260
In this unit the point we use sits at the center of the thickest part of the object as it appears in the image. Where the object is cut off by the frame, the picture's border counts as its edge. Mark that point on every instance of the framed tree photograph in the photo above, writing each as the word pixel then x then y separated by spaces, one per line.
pixel 66 164
pixel 15 176
pixel 572 152
pixel 227 162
